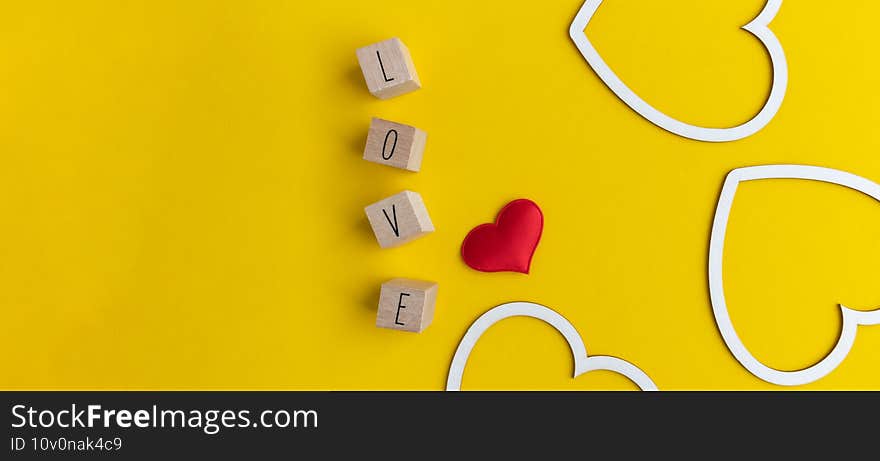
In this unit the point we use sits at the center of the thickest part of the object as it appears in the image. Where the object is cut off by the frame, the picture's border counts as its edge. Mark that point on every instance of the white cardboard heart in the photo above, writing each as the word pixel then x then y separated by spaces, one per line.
pixel 758 28
pixel 582 362
pixel 851 318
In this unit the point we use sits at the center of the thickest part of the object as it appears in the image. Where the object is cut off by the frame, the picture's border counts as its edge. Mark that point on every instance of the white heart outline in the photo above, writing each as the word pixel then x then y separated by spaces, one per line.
pixel 758 27
pixel 851 318
pixel 582 362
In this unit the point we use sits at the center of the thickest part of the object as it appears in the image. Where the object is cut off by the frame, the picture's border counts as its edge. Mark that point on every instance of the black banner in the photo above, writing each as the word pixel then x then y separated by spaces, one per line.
pixel 409 425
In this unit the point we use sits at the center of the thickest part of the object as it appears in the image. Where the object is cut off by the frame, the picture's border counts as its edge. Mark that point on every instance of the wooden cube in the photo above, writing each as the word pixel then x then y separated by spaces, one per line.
pixel 399 219
pixel 406 305
pixel 388 69
pixel 395 144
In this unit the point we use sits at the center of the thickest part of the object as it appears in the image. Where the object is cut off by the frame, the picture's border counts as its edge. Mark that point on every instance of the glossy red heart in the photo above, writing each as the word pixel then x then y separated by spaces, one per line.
pixel 507 245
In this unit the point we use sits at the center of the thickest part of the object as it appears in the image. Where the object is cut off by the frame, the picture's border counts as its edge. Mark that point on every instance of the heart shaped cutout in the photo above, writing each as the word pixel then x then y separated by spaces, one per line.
pixel 852 319
pixel 583 363
pixel 759 27
pixel 508 244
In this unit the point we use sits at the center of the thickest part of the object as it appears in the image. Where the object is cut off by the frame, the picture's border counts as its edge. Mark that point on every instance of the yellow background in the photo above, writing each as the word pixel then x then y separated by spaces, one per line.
pixel 182 192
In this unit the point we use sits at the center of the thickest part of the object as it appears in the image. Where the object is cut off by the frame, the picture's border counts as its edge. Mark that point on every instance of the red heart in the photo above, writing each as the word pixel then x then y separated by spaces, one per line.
pixel 507 245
